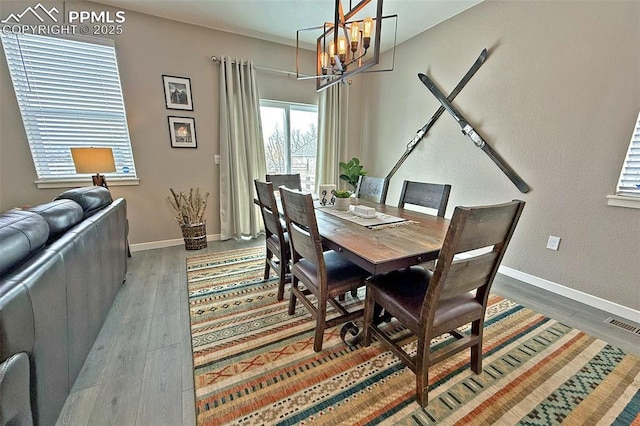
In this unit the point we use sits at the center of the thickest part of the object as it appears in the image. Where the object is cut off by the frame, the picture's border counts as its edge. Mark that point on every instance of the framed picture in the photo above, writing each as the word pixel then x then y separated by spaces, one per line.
pixel 177 92
pixel 182 131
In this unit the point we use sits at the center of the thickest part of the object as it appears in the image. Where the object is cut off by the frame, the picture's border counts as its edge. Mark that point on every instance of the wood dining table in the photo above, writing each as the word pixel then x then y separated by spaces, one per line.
pixel 384 248
pixel 380 249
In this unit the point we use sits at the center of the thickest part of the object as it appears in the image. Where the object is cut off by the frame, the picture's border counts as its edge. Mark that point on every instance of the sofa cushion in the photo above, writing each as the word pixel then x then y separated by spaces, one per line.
pixel 60 216
pixel 91 198
pixel 21 234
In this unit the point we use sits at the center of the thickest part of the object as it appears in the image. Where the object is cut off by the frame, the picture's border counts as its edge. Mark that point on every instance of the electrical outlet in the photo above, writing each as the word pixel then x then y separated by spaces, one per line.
pixel 553 243
pixel 216 159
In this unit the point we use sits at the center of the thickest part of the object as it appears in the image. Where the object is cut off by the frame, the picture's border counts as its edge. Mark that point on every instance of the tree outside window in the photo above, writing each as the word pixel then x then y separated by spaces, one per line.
pixel 290 139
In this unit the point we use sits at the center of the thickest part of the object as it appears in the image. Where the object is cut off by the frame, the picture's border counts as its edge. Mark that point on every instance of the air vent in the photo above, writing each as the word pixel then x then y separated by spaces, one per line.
pixel 631 328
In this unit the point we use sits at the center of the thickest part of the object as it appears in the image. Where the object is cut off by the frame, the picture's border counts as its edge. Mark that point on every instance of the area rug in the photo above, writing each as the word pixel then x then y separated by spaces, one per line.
pixel 255 365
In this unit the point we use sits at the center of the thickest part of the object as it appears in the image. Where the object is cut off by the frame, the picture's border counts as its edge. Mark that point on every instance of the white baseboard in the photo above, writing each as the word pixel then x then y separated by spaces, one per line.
pixel 166 243
pixel 587 299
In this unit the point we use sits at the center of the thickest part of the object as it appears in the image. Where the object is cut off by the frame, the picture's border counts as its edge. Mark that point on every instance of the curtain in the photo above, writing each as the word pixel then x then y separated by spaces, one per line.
pixel 332 134
pixel 242 156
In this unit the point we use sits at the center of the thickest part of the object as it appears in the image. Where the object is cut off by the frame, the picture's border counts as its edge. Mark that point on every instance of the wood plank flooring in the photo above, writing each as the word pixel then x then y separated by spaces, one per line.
pixel 139 371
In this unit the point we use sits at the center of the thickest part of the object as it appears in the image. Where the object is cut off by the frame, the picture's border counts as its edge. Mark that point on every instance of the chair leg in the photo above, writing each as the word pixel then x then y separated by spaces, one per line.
pixel 321 317
pixel 282 279
pixel 292 296
pixel 267 265
pixel 422 373
pixel 354 292
pixel 476 350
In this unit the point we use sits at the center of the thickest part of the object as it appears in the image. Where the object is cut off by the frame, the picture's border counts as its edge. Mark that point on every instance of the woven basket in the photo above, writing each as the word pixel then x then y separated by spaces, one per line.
pixel 195 236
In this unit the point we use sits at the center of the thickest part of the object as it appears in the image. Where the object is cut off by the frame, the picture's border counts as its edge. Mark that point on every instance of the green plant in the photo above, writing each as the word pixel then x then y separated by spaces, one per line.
pixel 351 171
pixel 340 193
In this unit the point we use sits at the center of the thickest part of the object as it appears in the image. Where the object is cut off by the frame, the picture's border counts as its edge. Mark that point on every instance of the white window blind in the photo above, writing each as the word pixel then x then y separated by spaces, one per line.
pixel 69 95
pixel 629 183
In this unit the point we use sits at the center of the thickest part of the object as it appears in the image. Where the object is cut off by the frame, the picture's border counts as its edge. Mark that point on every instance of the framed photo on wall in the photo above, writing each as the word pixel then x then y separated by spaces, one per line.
pixel 177 92
pixel 182 131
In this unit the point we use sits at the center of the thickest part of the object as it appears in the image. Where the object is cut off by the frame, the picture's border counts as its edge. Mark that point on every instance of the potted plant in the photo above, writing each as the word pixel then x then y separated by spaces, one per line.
pixel 351 171
pixel 342 199
pixel 190 210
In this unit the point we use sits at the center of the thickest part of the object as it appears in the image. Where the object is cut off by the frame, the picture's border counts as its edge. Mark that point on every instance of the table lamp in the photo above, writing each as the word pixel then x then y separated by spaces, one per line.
pixel 94 160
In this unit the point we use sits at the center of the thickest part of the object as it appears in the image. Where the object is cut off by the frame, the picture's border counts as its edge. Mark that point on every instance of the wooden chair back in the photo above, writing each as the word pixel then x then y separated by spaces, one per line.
pixel 269 209
pixel 291 181
pixel 486 230
pixel 302 226
pixel 431 195
pixel 275 236
pixel 325 275
pixel 370 188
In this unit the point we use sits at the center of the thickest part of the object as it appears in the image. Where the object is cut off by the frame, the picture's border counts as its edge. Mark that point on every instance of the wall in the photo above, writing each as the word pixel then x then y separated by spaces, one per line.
pixel 148 48
pixel 557 98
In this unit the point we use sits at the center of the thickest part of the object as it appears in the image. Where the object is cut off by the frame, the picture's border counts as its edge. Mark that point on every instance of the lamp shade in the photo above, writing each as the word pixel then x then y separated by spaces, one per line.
pixel 93 160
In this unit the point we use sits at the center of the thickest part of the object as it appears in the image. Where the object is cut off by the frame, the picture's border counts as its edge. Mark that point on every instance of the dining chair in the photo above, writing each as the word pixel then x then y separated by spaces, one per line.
pixel 424 194
pixel 430 304
pixel 291 181
pixel 277 240
pixel 370 188
pixel 324 274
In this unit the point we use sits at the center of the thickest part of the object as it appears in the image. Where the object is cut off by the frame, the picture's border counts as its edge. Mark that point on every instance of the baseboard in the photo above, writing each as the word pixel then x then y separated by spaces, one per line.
pixel 587 299
pixel 166 243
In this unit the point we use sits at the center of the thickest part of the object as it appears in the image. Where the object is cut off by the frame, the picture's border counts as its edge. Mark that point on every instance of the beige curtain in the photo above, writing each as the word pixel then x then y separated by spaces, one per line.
pixel 241 150
pixel 332 134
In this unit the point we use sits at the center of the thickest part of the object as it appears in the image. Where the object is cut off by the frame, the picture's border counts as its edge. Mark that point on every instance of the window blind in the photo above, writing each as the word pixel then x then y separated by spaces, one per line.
pixel 69 95
pixel 629 183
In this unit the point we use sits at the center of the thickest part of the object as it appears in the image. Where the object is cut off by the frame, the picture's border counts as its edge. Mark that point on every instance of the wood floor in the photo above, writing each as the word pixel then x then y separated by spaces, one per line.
pixel 139 371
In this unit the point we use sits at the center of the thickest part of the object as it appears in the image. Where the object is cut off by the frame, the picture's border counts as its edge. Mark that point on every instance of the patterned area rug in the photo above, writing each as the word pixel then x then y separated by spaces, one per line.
pixel 255 365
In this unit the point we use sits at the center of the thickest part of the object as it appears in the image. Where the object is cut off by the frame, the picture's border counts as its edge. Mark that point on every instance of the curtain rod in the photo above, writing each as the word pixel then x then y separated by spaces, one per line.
pixel 260 68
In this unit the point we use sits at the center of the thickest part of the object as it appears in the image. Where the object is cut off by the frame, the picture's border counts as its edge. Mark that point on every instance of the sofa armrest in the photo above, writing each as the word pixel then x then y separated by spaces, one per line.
pixel 15 405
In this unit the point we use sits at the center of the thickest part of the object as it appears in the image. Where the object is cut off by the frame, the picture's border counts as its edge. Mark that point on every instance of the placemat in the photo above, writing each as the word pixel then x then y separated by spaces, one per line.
pixel 382 220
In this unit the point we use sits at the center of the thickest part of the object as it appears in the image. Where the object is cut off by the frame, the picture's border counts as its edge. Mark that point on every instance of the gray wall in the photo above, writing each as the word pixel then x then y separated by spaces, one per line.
pixel 557 98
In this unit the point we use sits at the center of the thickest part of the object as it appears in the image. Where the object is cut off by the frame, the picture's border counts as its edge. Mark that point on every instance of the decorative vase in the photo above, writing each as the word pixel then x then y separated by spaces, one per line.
pixel 195 236
pixel 342 203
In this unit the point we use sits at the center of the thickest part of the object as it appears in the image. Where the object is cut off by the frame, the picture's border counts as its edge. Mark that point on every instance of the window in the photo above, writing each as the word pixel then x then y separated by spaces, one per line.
pixel 628 190
pixel 290 139
pixel 69 95
pixel 629 183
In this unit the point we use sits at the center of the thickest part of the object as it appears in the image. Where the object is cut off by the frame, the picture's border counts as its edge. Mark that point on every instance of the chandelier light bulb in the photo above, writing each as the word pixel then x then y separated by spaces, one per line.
pixel 342 49
pixel 332 52
pixel 367 28
pixel 355 33
pixel 324 62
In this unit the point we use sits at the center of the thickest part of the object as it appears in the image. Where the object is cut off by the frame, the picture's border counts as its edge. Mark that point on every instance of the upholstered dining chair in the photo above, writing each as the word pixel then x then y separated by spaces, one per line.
pixel 324 274
pixel 430 304
pixel 291 181
pixel 370 188
pixel 432 195
pixel 277 240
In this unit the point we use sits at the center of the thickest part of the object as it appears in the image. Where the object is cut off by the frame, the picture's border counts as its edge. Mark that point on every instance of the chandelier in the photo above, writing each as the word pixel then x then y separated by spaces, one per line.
pixel 347 46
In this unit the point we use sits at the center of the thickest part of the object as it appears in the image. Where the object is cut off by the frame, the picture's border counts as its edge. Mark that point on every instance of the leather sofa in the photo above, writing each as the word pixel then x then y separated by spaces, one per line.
pixel 61 267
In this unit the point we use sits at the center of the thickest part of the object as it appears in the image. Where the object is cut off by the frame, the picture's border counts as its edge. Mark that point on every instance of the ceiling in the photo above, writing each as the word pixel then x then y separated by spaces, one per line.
pixel 278 20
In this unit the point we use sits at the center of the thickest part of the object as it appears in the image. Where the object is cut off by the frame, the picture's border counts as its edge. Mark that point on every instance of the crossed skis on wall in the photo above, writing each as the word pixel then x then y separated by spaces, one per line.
pixel 467 129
